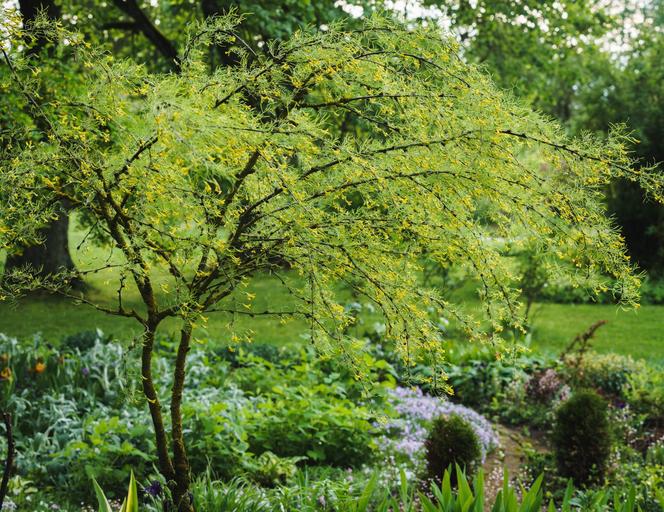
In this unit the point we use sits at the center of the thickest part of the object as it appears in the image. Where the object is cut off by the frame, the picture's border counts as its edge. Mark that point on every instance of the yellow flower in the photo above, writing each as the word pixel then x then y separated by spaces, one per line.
pixel 6 374
pixel 40 367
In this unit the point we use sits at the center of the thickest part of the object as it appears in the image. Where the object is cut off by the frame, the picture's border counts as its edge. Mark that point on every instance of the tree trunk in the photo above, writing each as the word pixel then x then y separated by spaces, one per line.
pixel 52 255
pixel 175 469
pixel 180 489
pixel 165 463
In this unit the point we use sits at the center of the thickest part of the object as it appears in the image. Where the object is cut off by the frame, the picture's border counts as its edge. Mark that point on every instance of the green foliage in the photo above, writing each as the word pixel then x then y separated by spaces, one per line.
pixel 130 503
pixel 127 142
pixel 204 178
pixel 608 373
pixel 269 470
pixel 545 50
pixel 581 437
pixel 624 91
pixel 78 418
pixel 451 441
pixel 370 496
pixel 646 392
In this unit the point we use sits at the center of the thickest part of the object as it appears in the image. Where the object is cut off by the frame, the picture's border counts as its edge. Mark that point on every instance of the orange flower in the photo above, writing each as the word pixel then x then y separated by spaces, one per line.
pixel 6 374
pixel 40 367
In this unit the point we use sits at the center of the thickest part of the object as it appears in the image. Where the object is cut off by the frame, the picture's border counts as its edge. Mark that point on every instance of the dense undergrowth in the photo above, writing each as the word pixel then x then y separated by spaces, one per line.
pixel 275 427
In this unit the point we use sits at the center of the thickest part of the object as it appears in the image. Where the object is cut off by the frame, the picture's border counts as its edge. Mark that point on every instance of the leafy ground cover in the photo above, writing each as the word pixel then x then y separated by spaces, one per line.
pixel 275 426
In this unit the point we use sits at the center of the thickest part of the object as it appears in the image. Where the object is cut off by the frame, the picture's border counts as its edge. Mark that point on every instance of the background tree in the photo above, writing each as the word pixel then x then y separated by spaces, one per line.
pixel 203 179
pixel 629 90
pixel 51 254
pixel 540 49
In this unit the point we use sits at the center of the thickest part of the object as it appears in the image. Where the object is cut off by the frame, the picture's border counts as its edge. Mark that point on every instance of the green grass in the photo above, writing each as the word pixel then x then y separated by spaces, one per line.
pixel 638 333
pixel 55 317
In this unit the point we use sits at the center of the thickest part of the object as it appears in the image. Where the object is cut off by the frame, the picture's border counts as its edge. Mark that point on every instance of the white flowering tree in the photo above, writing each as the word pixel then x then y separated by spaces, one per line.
pixel 210 178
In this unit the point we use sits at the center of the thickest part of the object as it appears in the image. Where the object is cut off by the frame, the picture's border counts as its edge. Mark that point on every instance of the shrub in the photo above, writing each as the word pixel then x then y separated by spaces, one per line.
pixel 607 373
pixel 581 437
pixel 406 433
pixel 451 441
pixel 544 385
pixel 646 393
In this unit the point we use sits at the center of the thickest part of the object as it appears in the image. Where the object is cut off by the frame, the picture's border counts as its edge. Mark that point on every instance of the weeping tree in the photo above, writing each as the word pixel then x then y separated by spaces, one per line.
pixel 203 179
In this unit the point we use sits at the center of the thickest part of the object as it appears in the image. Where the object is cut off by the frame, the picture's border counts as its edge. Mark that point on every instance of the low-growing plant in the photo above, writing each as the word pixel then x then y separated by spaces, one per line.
pixel 646 393
pixel 77 418
pixel 371 496
pixel 452 441
pixel 582 438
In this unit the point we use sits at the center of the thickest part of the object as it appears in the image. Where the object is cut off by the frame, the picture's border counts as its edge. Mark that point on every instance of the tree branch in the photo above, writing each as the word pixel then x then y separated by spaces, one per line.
pixel 143 23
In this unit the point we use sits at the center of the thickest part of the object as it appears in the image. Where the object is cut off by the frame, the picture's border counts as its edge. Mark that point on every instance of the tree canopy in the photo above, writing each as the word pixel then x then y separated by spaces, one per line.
pixel 210 177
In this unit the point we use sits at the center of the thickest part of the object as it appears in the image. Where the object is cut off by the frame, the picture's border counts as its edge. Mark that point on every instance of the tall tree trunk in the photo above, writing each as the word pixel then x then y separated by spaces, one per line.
pixel 53 254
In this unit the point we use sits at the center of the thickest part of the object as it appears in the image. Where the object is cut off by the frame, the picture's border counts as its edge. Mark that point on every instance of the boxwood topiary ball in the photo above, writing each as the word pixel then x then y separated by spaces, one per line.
pixel 582 438
pixel 451 441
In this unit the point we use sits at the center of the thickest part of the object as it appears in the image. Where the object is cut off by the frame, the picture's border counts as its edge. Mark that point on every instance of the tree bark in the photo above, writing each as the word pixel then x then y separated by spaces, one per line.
pixel 165 463
pixel 9 461
pixel 180 460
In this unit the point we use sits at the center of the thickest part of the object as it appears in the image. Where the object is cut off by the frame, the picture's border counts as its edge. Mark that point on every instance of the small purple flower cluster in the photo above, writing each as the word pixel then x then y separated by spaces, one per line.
pixel 406 434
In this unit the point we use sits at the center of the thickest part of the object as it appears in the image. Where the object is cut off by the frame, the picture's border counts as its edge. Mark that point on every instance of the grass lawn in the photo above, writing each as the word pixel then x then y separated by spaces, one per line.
pixel 638 333
pixel 55 317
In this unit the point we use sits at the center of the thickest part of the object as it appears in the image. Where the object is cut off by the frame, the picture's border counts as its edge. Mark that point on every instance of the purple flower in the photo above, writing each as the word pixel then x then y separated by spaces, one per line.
pixel 154 489
pixel 406 434
pixel 85 371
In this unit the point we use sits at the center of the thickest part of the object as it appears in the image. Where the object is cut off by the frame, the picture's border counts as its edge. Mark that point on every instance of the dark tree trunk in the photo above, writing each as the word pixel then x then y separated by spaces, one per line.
pixel 53 254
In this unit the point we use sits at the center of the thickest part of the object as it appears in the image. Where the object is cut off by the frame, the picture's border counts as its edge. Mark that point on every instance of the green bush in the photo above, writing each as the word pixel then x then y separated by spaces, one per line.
pixel 581 437
pixel 646 393
pixel 451 441
pixel 607 373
